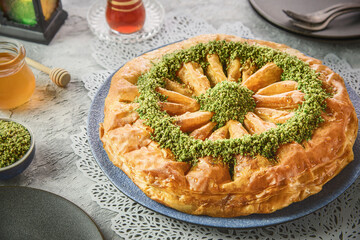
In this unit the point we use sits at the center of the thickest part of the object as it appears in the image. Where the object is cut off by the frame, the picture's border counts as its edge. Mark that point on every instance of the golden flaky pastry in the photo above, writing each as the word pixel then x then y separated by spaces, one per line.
pixel 253 183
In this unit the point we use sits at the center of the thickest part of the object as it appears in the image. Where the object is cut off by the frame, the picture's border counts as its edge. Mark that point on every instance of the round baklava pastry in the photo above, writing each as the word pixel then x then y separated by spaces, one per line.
pixel 224 126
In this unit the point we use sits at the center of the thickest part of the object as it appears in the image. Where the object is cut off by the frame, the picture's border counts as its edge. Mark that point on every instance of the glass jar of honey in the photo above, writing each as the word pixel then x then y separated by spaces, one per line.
pixel 17 82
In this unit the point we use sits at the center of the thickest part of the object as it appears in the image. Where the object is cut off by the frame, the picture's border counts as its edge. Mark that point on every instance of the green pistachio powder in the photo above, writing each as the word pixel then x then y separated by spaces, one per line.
pixel 15 141
pixel 230 101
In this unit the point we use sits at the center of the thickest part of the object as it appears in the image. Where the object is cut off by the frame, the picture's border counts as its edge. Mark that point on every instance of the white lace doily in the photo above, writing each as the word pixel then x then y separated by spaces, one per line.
pixel 338 220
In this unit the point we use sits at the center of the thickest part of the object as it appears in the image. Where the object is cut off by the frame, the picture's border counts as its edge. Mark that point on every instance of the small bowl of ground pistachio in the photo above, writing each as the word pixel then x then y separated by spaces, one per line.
pixel 17 148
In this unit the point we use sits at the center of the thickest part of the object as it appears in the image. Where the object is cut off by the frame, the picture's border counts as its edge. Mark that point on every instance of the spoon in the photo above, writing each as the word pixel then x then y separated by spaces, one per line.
pixel 321 26
pixel 322 15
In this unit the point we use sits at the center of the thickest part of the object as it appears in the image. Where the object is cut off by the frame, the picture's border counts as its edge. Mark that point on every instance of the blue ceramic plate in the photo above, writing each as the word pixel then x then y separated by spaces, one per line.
pixel 330 191
pixel 33 214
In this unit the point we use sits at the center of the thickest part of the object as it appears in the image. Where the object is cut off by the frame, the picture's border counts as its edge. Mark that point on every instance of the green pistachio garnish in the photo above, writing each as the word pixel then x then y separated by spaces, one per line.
pixel 228 101
pixel 228 106
pixel 14 142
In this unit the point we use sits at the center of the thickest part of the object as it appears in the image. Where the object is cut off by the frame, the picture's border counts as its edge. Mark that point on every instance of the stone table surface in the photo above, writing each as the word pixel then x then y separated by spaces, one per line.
pixel 54 114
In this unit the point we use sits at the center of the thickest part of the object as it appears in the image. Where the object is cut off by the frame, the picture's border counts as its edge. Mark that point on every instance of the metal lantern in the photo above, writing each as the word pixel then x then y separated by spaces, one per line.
pixel 31 20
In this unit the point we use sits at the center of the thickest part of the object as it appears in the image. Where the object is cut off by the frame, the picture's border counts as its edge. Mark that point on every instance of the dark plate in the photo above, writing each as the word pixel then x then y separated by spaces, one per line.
pixel 33 214
pixel 343 27
pixel 329 193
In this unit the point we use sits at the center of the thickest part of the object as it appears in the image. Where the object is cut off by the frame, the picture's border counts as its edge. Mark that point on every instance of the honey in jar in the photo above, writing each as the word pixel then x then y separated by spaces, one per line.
pixel 17 82
pixel 125 16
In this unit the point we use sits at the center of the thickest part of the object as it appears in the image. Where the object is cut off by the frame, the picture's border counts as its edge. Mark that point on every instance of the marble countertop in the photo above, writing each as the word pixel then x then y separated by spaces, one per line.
pixel 54 114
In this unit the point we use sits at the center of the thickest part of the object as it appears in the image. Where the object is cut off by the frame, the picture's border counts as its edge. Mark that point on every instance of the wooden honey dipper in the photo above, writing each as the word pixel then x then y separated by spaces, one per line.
pixel 59 76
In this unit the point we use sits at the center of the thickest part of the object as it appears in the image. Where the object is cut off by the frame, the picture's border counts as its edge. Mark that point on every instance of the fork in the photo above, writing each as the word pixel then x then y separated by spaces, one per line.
pixel 321 26
pixel 321 15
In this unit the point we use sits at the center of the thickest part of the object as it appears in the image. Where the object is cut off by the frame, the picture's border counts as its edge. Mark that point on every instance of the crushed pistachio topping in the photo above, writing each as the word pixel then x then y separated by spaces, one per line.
pixel 299 128
pixel 228 101
pixel 15 141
